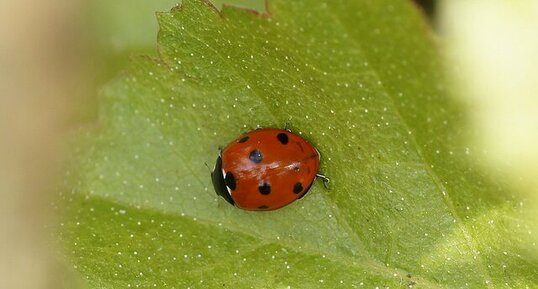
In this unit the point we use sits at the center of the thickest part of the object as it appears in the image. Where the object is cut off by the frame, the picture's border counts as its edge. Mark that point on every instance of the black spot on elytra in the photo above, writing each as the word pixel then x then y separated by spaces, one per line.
pixel 282 138
pixel 305 191
pixel 297 188
pixel 263 207
pixel 230 180
pixel 256 156
pixel 243 139
pixel 296 168
pixel 265 189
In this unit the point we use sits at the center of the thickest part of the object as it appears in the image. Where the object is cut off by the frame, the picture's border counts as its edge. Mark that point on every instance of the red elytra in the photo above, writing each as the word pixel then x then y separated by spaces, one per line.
pixel 266 169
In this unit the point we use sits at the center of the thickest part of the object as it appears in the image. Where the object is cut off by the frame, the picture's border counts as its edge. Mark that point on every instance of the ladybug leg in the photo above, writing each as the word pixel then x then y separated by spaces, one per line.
pixel 286 126
pixel 324 179
pixel 212 170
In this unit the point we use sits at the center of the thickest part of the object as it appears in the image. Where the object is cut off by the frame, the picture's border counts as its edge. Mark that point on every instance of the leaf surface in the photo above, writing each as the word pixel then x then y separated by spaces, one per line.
pixel 361 81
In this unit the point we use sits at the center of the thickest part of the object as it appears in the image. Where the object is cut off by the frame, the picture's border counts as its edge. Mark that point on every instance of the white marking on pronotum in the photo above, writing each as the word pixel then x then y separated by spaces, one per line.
pixel 227 188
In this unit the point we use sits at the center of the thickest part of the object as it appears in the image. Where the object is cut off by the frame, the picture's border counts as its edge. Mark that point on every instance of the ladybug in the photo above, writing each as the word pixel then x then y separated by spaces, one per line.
pixel 266 169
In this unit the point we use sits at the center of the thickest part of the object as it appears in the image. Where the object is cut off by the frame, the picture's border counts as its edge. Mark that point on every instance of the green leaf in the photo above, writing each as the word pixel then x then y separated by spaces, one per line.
pixel 362 82
pixel 117 33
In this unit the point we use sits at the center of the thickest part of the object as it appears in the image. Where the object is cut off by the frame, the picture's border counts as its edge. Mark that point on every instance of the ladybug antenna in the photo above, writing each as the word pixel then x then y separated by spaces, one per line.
pixel 208 167
pixel 324 179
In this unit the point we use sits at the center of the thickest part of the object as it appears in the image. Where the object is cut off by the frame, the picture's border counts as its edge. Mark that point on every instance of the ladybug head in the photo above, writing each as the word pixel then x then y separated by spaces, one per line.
pixel 217 177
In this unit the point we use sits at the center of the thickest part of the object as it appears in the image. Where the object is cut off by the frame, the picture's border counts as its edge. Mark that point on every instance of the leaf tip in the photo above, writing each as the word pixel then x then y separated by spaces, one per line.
pixel 187 5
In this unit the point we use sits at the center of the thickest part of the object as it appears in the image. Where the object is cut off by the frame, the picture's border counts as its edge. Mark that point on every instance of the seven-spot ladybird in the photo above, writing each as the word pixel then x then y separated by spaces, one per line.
pixel 266 169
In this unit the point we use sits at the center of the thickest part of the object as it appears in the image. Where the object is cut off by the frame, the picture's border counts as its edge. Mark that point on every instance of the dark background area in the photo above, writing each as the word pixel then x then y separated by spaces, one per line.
pixel 429 7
